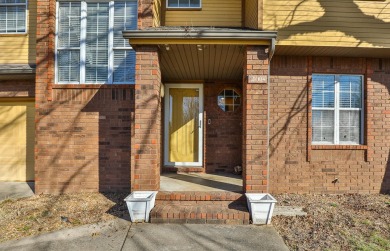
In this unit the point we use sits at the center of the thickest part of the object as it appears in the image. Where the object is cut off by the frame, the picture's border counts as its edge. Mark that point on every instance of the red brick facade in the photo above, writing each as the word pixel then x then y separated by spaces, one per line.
pixel 109 138
pixel 255 120
pixel 146 149
pixel 17 88
pixel 298 167
pixel 83 132
pixel 83 140
pixel 223 133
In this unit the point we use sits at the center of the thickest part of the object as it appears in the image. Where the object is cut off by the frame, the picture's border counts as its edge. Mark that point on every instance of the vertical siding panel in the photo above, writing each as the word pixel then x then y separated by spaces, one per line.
pixel 329 23
pixel 213 13
pixel 251 14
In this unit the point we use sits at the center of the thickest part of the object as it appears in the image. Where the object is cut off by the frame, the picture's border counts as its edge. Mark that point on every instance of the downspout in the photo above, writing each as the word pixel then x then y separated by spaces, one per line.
pixel 270 55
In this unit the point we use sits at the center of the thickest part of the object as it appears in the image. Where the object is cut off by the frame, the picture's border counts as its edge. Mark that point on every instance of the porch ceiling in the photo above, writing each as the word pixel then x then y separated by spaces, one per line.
pixel 200 53
pixel 210 62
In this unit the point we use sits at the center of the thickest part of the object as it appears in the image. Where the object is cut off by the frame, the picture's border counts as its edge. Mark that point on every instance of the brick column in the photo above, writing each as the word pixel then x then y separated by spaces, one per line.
pixel 43 87
pixel 146 149
pixel 146 138
pixel 255 120
pixel 145 13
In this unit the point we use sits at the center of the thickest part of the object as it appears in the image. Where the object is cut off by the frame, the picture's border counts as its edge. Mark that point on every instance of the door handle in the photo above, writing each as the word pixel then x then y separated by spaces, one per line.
pixel 200 123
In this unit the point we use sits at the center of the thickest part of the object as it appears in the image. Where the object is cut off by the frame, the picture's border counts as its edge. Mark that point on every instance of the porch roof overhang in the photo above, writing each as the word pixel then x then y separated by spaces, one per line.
pixel 199 35
pixel 201 53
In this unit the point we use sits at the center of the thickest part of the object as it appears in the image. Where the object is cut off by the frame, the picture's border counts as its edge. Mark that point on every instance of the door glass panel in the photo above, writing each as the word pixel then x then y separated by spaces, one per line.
pixel 183 125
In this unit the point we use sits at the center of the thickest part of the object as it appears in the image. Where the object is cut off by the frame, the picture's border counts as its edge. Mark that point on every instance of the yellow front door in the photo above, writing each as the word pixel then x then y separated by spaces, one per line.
pixel 184 126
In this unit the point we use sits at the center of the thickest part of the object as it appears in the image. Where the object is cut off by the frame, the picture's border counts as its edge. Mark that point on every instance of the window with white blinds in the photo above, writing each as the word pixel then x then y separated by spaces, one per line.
pixel 337 109
pixel 125 18
pixel 90 45
pixel 13 16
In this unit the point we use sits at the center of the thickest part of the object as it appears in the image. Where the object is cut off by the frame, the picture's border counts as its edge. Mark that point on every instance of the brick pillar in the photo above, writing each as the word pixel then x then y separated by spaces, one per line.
pixel 146 149
pixel 146 138
pixel 43 87
pixel 145 14
pixel 255 120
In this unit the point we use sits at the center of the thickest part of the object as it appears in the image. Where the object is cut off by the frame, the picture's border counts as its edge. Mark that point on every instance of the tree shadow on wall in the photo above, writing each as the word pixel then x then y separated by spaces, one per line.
pixel 114 108
pixel 289 113
pixel 385 187
pixel 337 15
pixel 381 75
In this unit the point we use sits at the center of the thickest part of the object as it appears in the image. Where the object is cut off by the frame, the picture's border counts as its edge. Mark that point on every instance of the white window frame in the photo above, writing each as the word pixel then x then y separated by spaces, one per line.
pixel 83 47
pixel 178 8
pixel 25 14
pixel 337 109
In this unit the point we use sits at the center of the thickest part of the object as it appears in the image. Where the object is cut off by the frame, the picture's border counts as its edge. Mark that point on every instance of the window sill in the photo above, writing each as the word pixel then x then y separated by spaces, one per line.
pixel 13 34
pixel 339 147
pixel 184 9
pixel 93 86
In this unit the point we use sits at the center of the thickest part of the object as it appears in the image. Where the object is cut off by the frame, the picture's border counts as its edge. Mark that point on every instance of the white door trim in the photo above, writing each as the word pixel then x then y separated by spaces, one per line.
pixel 166 126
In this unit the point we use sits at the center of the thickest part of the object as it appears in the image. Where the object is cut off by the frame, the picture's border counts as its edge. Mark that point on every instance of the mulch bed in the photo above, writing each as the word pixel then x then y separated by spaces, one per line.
pixel 46 213
pixel 336 222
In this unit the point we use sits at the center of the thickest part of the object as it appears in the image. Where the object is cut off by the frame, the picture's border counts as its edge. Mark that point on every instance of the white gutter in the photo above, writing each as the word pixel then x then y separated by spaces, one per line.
pixel 205 33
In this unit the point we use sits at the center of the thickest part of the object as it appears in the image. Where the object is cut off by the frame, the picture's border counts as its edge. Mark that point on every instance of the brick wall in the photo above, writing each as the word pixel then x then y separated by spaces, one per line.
pixel 298 167
pixel 223 137
pixel 84 141
pixel 254 145
pixel 146 149
pixel 17 88
pixel 83 132
pixel 145 13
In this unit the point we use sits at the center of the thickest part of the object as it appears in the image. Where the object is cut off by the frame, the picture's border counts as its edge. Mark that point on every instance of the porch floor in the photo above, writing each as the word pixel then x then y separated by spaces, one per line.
pixel 204 182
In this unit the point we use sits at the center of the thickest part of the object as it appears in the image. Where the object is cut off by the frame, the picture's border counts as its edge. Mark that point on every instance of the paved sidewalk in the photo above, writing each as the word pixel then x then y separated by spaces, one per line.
pixel 14 190
pixel 122 235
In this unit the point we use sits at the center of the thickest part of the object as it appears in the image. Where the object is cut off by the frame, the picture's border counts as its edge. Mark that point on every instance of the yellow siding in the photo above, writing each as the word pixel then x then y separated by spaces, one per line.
pixel 17 141
pixel 157 4
pixel 251 14
pixel 20 48
pixel 214 13
pixel 344 23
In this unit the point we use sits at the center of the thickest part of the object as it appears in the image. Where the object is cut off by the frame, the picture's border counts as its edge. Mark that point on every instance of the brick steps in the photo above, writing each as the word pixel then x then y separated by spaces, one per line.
pixel 200 212
pixel 201 196
pixel 200 208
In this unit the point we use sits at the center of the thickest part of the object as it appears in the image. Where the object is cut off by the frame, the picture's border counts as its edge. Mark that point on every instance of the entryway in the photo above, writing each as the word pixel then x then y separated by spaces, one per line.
pixel 183 141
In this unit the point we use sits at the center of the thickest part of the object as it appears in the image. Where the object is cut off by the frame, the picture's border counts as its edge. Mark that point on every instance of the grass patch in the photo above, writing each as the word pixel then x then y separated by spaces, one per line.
pixel 374 243
pixel 367 222
pixel 76 222
pixel 24 228
pixel 380 241
pixel 6 201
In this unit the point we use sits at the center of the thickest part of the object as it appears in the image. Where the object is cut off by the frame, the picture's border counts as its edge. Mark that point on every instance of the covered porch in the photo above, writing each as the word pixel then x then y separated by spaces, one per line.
pixel 201 109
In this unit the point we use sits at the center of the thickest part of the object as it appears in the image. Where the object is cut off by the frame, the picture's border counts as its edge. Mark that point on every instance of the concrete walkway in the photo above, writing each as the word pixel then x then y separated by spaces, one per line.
pixel 122 235
pixel 222 182
pixel 14 190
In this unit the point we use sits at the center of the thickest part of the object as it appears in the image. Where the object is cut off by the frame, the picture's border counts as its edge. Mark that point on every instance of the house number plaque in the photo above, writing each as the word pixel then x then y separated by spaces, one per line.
pixel 257 79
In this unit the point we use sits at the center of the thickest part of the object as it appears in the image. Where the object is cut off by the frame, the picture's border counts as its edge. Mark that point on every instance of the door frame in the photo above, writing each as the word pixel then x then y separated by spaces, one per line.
pixel 199 163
